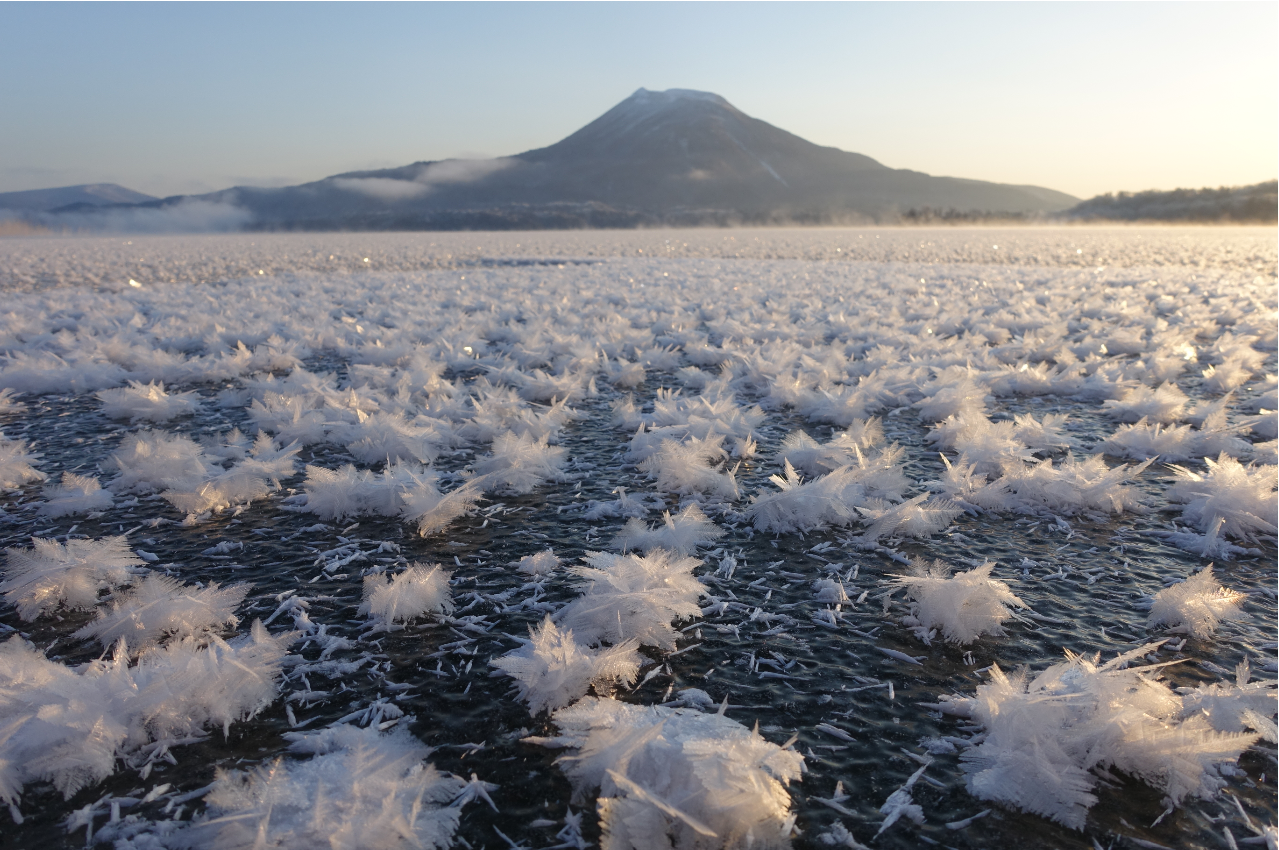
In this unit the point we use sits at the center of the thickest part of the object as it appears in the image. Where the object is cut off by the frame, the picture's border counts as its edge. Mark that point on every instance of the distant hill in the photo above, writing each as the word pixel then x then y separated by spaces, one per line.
pixel 1258 203
pixel 77 197
pixel 676 157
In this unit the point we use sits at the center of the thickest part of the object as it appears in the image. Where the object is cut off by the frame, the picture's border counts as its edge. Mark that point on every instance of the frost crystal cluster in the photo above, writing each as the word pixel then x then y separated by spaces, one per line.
pixel 1195 606
pixel 69 727
pixel 677 777
pixel 1047 737
pixel 358 790
pixel 963 607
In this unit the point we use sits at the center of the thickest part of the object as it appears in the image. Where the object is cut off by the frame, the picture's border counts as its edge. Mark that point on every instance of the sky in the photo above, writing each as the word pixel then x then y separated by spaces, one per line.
pixel 1083 97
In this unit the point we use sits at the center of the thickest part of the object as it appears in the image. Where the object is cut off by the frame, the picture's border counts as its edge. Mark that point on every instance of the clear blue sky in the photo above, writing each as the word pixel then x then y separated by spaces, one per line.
pixel 1081 97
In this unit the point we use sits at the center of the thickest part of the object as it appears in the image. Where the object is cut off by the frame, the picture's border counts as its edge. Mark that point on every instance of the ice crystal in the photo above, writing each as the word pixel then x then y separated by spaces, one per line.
pixel 553 669
pixel 963 606
pixel 1195 606
pixel 677 778
pixel 416 591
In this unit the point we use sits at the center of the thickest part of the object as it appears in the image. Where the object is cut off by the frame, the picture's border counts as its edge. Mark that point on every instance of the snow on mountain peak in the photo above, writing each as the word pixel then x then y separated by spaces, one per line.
pixel 646 95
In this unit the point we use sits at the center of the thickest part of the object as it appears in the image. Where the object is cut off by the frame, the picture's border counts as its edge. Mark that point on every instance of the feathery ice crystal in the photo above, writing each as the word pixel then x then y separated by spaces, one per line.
pixel 687 468
pixel 50 574
pixel 430 385
pixel 76 494
pixel 683 533
pixel 1241 501
pixel 1045 736
pixel 400 490
pixel 68 726
pixel 539 564
pixel 963 606
pixel 1164 405
pixel 416 591
pixel 921 516
pixel 147 402
pixel 553 669
pixel 16 460
pixel 633 596
pixel 1195 606
pixel 677 778
pixel 159 607
pixel 150 461
pixel 361 789
pixel 519 463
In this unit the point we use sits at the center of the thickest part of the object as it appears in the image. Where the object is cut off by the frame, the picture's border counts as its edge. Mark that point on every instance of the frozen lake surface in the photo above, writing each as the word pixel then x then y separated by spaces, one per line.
pixel 953 383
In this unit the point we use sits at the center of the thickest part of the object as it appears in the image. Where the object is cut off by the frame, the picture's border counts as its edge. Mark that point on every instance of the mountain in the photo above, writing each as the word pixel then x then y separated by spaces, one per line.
pixel 677 157
pixel 1258 203
pixel 88 194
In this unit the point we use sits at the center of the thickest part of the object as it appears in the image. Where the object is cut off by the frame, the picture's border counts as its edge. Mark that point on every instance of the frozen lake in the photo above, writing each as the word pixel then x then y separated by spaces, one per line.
pixel 954 383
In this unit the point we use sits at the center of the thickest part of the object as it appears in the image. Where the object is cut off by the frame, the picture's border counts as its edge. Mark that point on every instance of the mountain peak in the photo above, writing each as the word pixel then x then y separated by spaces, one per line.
pixel 647 96
pixel 648 120
pixel 645 103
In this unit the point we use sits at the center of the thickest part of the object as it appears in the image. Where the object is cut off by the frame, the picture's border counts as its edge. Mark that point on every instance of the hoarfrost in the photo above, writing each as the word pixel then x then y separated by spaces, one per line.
pixel 633 597
pixel 683 533
pixel 360 788
pixel 538 564
pixel 416 591
pixel 76 494
pixel 16 459
pixel 159 607
pixel 138 402
pixel 1242 497
pixel 68 726
pixel 675 777
pixel 964 606
pixel 1195 606
pixel 1045 736
pixel 52 574
pixel 552 670
pixel 518 464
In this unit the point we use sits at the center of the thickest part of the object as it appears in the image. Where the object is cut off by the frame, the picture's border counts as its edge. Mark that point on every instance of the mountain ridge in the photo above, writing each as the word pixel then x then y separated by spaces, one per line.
pixel 674 157
pixel 84 194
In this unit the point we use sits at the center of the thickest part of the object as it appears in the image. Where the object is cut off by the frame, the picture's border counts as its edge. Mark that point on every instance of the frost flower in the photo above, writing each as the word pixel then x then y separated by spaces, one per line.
pixel 697 780
pixel 963 607
pixel 682 533
pixel 633 596
pixel 1195 606
pixel 1242 497
pixel 147 402
pixel 416 591
pixel 1045 737
pixel 552 669
pixel 49 574
pixel 77 494
pixel 164 607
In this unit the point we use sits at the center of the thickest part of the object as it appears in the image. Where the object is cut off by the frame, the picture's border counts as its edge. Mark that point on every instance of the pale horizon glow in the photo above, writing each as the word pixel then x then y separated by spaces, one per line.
pixel 1084 98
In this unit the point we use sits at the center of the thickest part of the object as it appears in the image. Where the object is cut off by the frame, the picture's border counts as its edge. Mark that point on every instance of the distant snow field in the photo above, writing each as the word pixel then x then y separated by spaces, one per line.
pixel 647 539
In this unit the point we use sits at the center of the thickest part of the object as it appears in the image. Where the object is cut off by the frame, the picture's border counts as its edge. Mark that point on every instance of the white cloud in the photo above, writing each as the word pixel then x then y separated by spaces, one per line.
pixel 383 188
pixel 187 216
pixel 462 170
pixel 449 171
